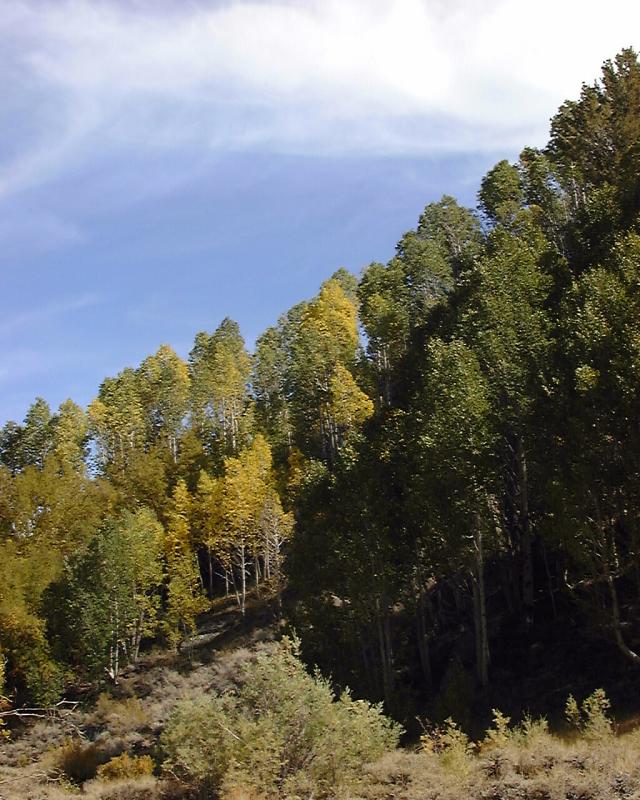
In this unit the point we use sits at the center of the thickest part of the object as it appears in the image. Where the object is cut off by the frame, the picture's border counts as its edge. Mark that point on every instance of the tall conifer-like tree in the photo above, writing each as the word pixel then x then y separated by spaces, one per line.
pixel 164 391
pixel 117 420
pixel 220 370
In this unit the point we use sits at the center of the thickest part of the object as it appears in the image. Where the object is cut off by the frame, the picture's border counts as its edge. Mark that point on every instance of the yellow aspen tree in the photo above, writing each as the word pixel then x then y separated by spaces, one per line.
pixel 247 483
pixel 211 533
pixel 164 390
pixel 348 405
pixel 178 534
pixel 184 587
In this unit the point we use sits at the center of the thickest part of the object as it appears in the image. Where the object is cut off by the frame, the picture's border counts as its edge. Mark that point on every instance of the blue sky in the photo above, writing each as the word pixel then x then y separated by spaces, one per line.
pixel 166 164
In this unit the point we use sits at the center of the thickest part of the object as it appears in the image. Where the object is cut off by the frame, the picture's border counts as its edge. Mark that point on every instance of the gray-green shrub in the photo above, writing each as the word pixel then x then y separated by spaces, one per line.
pixel 282 734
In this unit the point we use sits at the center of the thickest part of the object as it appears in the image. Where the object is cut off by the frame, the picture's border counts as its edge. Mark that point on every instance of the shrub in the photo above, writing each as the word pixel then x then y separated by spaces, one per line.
pixel 78 761
pixel 451 744
pixel 595 710
pixel 591 719
pixel 281 735
pixel 455 697
pixel 126 767
pixel 144 788
pixel 531 732
pixel 197 741
pixel 500 733
pixel 572 713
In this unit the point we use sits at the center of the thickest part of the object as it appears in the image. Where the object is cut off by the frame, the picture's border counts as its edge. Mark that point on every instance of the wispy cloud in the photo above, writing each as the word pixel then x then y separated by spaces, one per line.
pixel 323 76
pixel 34 230
pixel 46 314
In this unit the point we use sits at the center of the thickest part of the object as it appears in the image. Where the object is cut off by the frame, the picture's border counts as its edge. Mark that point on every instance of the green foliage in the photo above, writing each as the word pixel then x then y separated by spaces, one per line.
pixel 70 433
pixel 595 711
pixel 197 743
pixel 36 435
pixel 323 346
pixel 106 600
pixel 531 732
pixel 383 297
pixel 572 712
pixel 456 231
pixel 220 368
pixel 164 390
pixel 282 732
pixel 526 734
pixel 30 666
pixel 455 434
pixel 117 419
pixel 184 599
pixel 501 195
pixel 455 694
pixel 349 405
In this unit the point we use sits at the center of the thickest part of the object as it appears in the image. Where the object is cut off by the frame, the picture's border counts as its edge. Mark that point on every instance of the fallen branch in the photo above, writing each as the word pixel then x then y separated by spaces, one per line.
pixel 57 710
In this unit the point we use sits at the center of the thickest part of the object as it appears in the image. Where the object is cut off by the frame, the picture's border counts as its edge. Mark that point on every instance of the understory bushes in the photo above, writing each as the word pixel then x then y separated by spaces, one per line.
pixel 515 762
pixel 281 734
pixel 255 725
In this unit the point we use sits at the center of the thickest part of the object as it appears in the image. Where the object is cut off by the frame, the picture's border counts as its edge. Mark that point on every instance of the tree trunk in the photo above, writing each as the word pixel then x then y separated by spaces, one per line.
pixel 243 568
pixel 137 638
pixel 210 560
pixel 480 613
pixel 617 624
pixel 386 654
pixel 549 582
pixel 235 585
pixel 256 569
pixel 525 533
pixel 423 641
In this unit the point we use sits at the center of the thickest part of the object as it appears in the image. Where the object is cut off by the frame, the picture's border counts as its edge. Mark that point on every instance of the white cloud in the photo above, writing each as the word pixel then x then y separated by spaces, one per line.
pixel 331 77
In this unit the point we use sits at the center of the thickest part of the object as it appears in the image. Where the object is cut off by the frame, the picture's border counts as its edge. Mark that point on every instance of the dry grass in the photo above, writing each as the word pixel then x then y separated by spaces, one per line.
pixel 120 717
pixel 141 788
pixel 544 767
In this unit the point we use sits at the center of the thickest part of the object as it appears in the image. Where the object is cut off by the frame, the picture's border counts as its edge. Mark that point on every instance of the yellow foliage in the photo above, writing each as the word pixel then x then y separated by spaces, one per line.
pixel 350 406
pixel 331 319
pixel 248 482
pixel 178 534
pixel 124 766
pixel 207 513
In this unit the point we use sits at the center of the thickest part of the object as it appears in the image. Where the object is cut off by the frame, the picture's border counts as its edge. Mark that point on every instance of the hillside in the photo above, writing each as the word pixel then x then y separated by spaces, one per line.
pixel 426 475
